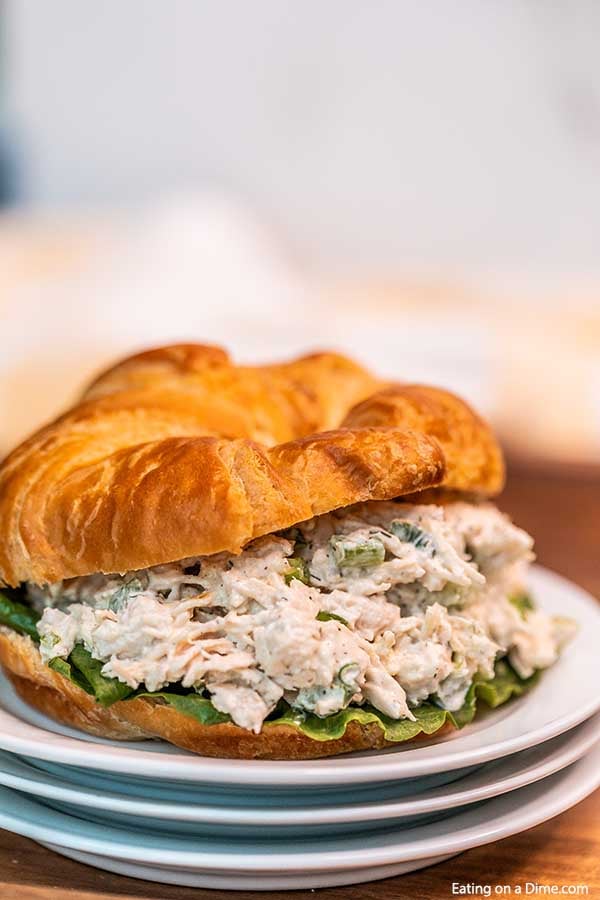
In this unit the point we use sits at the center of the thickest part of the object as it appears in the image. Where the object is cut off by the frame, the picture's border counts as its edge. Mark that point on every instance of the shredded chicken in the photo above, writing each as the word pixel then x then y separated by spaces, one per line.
pixel 388 604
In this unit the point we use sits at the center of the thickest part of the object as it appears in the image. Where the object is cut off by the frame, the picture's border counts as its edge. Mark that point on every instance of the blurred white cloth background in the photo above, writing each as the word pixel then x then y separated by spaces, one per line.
pixel 200 269
pixel 378 135
pixel 203 268
pixel 182 271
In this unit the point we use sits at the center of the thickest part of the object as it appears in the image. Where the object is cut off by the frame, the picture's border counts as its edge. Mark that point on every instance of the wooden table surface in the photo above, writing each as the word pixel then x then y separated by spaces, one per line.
pixel 563 513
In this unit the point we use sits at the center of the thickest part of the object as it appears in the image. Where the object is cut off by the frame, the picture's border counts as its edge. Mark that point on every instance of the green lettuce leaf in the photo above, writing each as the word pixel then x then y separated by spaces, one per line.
pixel 19 617
pixel 80 668
pixel 193 704
pixel 505 685
pixel 86 672
pixel 64 668
pixel 429 717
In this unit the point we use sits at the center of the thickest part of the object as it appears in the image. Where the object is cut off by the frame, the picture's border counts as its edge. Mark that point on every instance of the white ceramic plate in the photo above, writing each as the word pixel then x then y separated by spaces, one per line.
pixel 567 695
pixel 284 817
pixel 248 882
pixel 498 818
pixel 242 796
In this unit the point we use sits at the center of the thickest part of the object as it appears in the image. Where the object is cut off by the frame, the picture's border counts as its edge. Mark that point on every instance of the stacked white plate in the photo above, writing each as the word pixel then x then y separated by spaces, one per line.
pixel 154 812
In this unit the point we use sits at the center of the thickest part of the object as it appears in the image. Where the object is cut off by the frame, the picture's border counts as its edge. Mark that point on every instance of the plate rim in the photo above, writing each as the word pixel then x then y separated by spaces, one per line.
pixel 239 881
pixel 472 788
pixel 501 817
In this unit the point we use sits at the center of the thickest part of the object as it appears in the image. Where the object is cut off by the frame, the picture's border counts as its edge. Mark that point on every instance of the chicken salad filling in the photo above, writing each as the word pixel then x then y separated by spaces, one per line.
pixel 383 605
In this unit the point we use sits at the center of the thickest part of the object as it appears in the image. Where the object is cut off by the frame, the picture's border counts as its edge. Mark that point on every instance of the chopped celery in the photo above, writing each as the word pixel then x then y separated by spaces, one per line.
pixel 121 596
pixel 412 534
pixel 522 603
pixel 297 569
pixel 324 616
pixel 349 555
pixel 347 676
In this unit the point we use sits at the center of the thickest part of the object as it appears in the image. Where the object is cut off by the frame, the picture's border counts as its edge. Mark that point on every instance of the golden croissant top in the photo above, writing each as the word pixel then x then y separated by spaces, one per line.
pixel 178 452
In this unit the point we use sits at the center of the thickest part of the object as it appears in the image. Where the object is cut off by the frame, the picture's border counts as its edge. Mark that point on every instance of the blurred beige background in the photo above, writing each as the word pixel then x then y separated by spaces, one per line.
pixel 76 294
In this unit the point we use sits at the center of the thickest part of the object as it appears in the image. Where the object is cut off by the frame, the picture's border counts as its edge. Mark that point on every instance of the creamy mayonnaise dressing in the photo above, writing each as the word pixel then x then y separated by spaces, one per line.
pixel 384 603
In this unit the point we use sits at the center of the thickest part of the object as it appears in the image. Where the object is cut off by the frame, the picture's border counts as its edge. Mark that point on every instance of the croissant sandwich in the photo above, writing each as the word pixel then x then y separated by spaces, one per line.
pixel 283 562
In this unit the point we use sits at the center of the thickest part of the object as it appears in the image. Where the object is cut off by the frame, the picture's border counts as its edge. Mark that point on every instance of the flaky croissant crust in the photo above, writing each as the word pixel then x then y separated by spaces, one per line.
pixel 177 452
